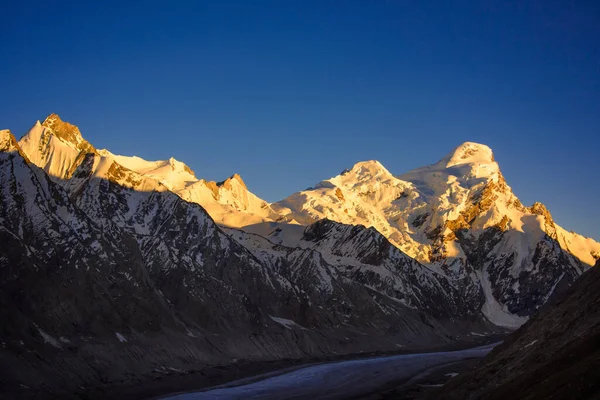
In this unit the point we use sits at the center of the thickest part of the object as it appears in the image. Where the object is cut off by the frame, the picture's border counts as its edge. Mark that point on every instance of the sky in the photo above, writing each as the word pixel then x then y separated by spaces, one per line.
pixel 288 93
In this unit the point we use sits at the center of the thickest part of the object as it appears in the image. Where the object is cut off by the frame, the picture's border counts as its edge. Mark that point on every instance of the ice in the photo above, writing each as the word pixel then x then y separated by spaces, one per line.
pixel 335 380
pixel 493 310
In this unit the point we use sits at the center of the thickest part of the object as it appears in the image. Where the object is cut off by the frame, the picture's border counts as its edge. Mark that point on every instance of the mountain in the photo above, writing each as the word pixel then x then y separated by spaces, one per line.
pixel 229 202
pixel 460 218
pixel 109 275
pixel 65 283
pixel 553 356
pixel 58 147
pixel 341 254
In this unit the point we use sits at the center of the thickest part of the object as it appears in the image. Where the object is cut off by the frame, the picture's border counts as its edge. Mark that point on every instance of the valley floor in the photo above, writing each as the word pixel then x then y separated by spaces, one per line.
pixel 170 383
pixel 339 380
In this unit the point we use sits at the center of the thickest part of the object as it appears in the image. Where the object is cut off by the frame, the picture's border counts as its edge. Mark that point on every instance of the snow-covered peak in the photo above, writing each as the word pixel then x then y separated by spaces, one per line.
pixel 234 179
pixel 468 152
pixel 178 166
pixel 418 209
pixel 228 202
pixel 371 170
pixel 63 130
pixel 55 146
pixel 469 165
pixel 7 141
pixel 172 173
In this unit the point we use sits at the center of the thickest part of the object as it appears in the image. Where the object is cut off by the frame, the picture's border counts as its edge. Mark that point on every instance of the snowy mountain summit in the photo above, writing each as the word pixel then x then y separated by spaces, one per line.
pixel 459 217
pixel 469 153
pixel 59 148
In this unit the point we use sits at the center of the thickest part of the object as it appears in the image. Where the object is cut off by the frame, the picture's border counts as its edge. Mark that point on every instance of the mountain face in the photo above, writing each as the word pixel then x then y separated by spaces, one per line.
pixel 341 254
pixel 229 202
pixel 65 283
pixel 555 355
pixel 58 148
pixel 109 273
pixel 460 218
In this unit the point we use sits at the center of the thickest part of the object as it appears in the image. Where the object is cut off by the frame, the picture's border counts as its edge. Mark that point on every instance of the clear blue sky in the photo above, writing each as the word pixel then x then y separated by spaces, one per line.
pixel 288 93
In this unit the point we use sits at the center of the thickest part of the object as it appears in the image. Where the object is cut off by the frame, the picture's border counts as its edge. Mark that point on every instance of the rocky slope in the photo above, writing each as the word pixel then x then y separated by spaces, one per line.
pixel 65 283
pixel 108 276
pixel 460 218
pixel 331 255
pixel 553 356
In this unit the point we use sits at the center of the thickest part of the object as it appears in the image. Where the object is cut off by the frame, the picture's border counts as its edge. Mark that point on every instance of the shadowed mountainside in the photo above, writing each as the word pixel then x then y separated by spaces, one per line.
pixel 553 356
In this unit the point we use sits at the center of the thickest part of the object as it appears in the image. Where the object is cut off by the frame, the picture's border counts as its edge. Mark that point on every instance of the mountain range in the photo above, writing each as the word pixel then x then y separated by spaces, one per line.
pixel 114 267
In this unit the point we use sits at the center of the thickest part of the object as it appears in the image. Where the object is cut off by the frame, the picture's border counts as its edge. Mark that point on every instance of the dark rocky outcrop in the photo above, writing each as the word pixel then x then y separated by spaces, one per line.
pixel 553 356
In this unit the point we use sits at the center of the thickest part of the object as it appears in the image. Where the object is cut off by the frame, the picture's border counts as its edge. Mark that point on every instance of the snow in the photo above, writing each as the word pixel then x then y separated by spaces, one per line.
pixel 286 234
pixel 580 246
pixel 7 142
pixel 287 323
pixel 469 153
pixel 174 174
pixel 493 310
pixel 551 291
pixel 368 194
pixel 229 202
pixel 530 344
pixel 120 337
pixel 48 338
pixel 44 149
pixel 477 334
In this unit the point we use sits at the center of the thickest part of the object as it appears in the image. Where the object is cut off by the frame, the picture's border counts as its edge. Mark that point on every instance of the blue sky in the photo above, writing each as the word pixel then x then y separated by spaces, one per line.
pixel 288 93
